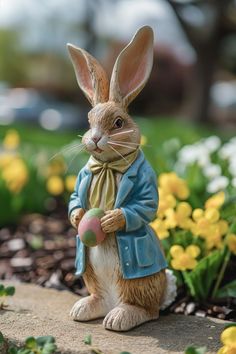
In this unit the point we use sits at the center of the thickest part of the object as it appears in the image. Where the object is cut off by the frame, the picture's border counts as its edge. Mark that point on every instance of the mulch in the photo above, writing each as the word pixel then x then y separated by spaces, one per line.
pixel 41 250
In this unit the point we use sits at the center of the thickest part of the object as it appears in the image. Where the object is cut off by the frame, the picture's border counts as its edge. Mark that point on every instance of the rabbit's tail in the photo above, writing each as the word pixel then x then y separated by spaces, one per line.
pixel 171 289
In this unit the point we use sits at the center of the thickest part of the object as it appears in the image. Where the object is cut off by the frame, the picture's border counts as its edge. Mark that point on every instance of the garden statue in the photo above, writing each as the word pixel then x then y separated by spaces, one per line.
pixel 115 197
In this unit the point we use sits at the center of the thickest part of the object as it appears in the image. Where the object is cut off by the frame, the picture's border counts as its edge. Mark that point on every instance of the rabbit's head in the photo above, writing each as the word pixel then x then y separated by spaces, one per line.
pixel 112 132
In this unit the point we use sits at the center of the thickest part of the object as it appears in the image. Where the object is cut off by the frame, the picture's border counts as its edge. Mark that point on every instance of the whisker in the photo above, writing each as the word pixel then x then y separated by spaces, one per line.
pixel 126 131
pixel 67 149
pixel 127 146
pixel 117 152
pixel 80 136
pixel 81 149
pixel 124 142
pixel 127 142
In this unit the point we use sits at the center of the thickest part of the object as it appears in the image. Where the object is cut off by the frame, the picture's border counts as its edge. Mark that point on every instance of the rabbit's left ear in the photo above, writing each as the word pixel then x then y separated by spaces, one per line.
pixel 132 68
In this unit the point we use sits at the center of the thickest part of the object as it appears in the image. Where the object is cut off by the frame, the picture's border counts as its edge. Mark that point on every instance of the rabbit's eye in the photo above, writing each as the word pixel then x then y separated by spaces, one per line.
pixel 118 123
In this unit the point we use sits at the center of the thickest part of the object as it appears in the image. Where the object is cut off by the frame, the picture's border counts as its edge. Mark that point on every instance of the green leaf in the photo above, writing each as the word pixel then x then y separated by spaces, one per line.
pixel 201 278
pixel 24 351
pixel 88 339
pixel 2 340
pixel 193 350
pixel 10 290
pixel 49 348
pixel 229 290
pixel 30 343
pixel 12 350
pixel 41 341
pixel 2 290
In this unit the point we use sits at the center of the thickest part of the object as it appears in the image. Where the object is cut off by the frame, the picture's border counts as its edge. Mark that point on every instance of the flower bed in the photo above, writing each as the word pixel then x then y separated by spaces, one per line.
pixel 196 220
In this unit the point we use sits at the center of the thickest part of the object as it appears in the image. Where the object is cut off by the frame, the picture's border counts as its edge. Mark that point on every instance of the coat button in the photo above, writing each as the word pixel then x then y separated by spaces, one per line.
pixel 127 264
pixel 126 248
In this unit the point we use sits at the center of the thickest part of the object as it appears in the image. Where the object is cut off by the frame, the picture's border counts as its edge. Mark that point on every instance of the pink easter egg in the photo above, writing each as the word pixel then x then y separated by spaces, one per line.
pixel 89 230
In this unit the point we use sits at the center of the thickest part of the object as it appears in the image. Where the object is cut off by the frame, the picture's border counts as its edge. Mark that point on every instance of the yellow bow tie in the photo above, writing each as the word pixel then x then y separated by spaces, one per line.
pixel 106 179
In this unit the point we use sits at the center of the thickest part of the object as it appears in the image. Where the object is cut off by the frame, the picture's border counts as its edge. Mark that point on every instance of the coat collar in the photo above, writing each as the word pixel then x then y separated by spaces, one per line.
pixel 126 183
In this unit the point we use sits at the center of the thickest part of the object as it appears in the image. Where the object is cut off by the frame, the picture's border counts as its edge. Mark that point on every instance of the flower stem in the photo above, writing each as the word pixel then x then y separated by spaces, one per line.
pixel 222 272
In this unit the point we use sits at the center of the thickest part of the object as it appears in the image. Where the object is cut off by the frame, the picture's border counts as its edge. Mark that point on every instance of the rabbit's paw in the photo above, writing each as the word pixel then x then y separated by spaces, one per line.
pixel 88 308
pixel 124 317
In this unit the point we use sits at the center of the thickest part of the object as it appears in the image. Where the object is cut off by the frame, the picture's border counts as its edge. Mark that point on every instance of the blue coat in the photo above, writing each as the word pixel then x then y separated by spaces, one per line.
pixel 139 250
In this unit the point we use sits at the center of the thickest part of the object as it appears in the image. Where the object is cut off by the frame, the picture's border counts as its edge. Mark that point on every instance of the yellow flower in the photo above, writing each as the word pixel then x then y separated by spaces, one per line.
pixel 212 215
pixel 216 201
pixel 15 174
pixel 143 140
pixel 214 237
pixel 197 214
pixel 160 228
pixel 231 242
pixel 11 140
pixel 166 201
pixel 228 338
pixel 70 183
pixel 6 159
pixel 55 185
pixel 180 217
pixel 184 259
pixel 55 167
pixel 172 184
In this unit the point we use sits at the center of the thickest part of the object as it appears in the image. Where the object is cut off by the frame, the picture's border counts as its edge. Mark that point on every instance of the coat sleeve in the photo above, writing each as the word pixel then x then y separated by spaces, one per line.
pixel 142 205
pixel 75 201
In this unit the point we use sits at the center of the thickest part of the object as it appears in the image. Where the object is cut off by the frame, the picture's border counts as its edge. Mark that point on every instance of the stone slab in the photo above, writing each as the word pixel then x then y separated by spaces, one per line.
pixel 36 311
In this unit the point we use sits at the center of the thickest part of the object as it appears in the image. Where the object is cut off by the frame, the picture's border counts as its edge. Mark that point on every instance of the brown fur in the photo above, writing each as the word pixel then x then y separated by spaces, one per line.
pixel 145 292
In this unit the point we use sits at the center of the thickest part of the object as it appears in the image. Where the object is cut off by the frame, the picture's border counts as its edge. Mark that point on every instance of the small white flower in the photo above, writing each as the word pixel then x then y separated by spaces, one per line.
pixel 212 170
pixel 234 182
pixel 227 151
pixel 212 143
pixel 217 184
pixel 232 166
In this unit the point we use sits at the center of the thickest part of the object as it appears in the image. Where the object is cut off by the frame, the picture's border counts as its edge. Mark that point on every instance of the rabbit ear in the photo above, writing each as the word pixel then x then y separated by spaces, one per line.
pixel 91 77
pixel 132 68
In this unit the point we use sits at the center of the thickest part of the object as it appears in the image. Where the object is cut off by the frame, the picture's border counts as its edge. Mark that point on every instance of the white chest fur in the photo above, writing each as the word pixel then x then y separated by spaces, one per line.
pixel 105 261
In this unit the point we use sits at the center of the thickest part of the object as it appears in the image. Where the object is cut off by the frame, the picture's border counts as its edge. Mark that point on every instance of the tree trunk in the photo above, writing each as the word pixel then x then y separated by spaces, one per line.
pixel 201 83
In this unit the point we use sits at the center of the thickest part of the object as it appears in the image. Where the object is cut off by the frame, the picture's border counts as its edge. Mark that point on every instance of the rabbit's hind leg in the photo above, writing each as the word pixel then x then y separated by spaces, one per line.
pixel 92 306
pixel 140 302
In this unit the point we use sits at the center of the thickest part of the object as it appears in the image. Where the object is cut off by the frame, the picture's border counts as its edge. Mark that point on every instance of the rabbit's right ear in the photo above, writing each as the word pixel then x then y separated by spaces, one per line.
pixel 90 75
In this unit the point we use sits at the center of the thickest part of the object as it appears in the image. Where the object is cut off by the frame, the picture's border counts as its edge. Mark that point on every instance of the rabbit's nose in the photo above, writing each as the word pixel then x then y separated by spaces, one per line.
pixel 96 138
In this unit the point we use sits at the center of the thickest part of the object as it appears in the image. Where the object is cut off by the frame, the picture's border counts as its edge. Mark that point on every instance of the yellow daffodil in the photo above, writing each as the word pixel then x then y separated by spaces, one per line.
pixel 212 214
pixel 184 259
pixel 166 201
pixel 11 140
pixel 172 184
pixel 15 174
pixel 216 201
pixel 197 214
pixel 228 338
pixel 179 217
pixel 70 183
pixel 160 228
pixel 6 159
pixel 55 185
pixel 231 242
pixel 143 140
pixel 56 167
pixel 214 237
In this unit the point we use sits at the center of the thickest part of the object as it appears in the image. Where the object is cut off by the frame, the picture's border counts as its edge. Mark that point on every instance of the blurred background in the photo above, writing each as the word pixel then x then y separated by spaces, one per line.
pixel 191 95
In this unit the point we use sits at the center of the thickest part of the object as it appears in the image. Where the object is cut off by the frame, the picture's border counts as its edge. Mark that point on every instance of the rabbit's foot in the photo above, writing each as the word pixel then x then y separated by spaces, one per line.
pixel 124 317
pixel 88 308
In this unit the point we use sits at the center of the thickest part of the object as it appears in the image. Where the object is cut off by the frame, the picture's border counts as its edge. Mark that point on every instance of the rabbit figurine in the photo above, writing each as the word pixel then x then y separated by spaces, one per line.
pixel 125 274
